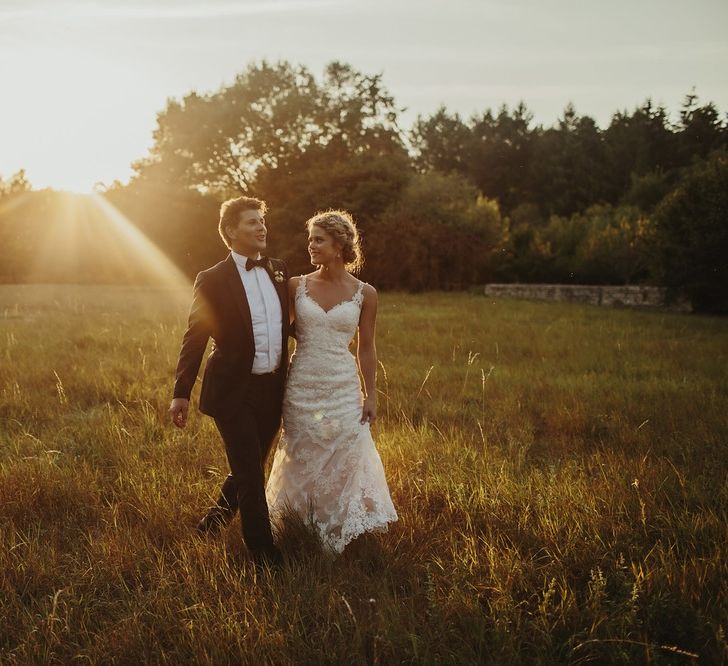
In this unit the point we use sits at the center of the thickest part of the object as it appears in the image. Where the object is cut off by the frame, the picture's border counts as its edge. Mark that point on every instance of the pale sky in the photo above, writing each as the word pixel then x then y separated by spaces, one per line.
pixel 81 81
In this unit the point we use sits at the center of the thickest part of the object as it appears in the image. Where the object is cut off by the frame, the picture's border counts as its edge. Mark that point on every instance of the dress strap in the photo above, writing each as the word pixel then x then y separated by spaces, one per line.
pixel 359 295
pixel 301 289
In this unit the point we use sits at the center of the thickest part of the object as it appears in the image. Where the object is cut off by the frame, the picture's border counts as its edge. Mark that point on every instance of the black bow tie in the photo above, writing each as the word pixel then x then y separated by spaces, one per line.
pixel 252 263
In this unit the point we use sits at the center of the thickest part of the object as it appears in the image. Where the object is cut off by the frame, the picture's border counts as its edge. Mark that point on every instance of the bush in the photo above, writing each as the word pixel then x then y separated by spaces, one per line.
pixel 440 234
pixel 602 245
pixel 691 235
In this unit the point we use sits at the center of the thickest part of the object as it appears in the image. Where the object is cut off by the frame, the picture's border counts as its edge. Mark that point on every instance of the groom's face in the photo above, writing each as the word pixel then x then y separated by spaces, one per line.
pixel 248 237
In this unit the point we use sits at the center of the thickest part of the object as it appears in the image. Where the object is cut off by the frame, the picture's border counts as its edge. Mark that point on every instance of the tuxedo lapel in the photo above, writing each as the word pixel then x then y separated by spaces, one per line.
pixel 282 291
pixel 237 292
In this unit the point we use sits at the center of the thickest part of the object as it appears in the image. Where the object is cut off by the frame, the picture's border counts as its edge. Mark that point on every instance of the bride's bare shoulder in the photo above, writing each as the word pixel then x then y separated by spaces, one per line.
pixel 369 293
pixel 293 283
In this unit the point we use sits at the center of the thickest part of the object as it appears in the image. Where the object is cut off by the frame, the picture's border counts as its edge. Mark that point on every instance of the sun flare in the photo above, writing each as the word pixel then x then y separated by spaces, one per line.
pixel 83 238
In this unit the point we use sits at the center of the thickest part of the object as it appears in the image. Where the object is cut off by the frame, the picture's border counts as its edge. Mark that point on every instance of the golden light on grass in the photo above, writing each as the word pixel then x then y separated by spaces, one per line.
pixel 521 538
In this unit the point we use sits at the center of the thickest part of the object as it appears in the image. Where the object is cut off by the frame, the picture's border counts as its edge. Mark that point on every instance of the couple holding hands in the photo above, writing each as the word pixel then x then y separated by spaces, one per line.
pixel 326 467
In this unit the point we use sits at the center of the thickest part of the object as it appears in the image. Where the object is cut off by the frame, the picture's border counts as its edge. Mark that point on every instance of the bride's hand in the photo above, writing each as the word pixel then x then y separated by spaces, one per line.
pixel 369 411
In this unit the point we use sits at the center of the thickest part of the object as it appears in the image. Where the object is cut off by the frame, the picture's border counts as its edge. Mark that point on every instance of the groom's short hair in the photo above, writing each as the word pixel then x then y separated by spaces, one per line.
pixel 230 213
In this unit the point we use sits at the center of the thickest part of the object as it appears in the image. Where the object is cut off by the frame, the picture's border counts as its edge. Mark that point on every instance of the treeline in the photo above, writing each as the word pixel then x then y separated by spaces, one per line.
pixel 451 202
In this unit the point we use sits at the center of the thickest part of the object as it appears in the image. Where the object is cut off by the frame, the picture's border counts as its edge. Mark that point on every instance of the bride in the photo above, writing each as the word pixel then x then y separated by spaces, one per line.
pixel 326 467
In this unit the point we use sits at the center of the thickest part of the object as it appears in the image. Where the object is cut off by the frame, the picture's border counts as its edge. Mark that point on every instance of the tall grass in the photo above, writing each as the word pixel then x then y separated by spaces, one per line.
pixel 559 471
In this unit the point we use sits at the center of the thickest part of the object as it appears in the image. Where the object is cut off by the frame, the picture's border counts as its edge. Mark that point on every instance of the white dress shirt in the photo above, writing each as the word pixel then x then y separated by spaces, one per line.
pixel 266 314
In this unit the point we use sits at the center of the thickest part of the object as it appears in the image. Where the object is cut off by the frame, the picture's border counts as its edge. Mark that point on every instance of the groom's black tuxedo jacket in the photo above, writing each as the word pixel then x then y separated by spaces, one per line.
pixel 220 311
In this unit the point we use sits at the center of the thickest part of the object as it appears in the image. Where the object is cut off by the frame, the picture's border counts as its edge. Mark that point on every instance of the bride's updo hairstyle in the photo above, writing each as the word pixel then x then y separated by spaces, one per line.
pixel 340 226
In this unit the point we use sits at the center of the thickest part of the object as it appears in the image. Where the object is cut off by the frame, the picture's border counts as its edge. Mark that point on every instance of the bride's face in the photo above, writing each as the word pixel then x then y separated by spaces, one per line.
pixel 322 248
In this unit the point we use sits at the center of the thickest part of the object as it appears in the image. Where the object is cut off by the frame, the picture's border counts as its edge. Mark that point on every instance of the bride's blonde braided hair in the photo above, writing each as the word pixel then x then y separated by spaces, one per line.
pixel 340 225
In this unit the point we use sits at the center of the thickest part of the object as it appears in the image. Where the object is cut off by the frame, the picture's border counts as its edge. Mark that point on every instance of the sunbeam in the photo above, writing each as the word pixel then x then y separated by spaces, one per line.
pixel 14 202
pixel 131 244
pixel 81 238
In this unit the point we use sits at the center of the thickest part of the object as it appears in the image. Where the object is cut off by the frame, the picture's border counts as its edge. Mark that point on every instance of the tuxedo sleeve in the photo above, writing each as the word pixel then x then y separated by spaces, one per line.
pixel 194 342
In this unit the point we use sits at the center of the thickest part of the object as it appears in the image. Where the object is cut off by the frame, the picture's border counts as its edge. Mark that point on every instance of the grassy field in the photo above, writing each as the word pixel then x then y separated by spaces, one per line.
pixel 559 471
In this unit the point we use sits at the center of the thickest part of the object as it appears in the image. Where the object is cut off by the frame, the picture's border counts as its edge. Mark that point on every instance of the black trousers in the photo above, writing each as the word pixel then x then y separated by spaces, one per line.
pixel 248 434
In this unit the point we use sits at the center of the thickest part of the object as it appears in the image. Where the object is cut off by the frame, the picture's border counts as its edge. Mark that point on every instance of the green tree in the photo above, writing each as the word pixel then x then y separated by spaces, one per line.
pixel 602 245
pixel 364 184
pixel 442 143
pixel 493 150
pixel 615 246
pixel 501 155
pixel 218 142
pixel 700 130
pixel 647 190
pixel 639 145
pixel 279 133
pixel 691 234
pixel 266 120
pixel 16 184
pixel 440 234
pixel 570 165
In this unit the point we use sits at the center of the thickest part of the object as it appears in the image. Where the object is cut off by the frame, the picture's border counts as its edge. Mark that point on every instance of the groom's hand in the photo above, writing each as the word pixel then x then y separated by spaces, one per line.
pixel 369 411
pixel 178 411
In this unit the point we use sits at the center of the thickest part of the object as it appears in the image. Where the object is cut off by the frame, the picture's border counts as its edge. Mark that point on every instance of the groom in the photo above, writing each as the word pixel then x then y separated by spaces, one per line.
pixel 242 304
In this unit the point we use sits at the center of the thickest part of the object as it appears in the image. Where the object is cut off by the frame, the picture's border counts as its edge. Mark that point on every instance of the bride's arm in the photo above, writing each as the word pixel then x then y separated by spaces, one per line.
pixel 367 353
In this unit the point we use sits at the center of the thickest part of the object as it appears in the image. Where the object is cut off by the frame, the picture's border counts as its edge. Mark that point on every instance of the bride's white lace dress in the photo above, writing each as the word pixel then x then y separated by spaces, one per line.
pixel 326 467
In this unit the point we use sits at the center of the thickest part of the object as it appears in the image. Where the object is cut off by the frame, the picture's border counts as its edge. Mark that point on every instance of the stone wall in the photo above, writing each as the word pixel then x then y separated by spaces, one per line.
pixel 621 296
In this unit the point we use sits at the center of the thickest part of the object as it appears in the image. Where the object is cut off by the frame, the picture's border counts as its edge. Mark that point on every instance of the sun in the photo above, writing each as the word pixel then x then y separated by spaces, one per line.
pixel 64 131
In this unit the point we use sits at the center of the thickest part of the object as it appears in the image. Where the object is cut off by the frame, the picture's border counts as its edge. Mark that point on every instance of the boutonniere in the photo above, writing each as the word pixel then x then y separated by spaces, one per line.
pixel 278 276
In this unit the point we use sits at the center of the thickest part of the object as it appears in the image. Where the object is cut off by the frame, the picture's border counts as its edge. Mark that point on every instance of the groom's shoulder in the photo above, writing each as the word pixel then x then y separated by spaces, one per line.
pixel 210 276
pixel 278 264
pixel 212 270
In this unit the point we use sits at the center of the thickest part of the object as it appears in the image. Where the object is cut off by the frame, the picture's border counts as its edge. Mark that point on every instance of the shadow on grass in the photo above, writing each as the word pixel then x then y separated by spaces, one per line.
pixel 303 548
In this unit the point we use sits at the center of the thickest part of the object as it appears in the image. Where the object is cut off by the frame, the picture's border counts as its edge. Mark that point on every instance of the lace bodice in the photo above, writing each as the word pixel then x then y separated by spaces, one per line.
pixel 322 332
